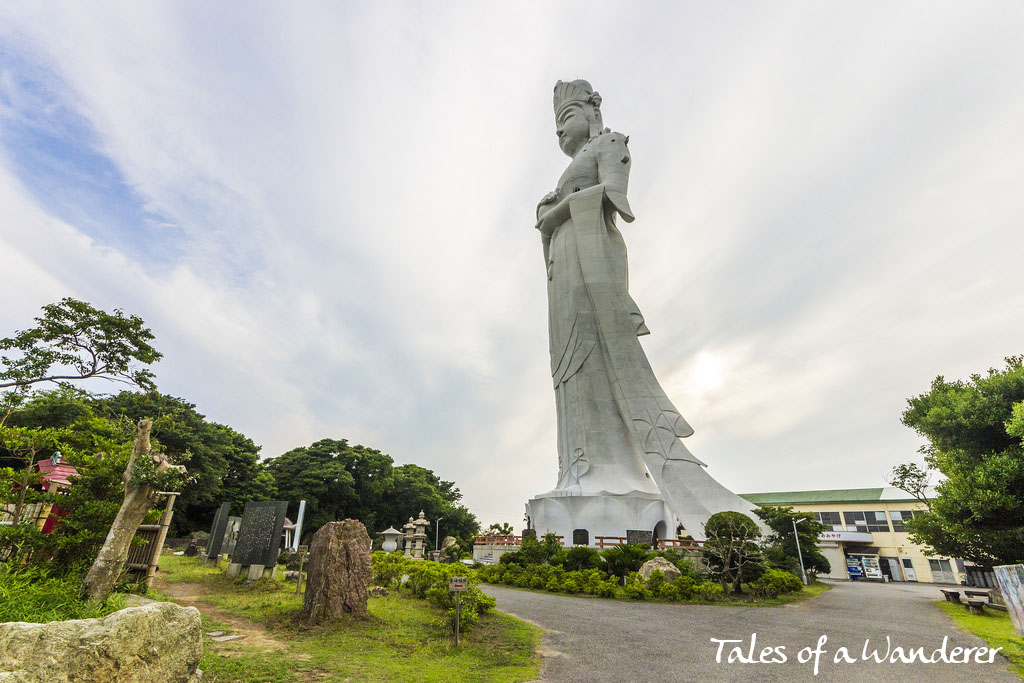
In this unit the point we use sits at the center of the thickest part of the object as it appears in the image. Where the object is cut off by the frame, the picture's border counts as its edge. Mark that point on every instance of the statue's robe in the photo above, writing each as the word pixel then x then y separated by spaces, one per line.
pixel 618 432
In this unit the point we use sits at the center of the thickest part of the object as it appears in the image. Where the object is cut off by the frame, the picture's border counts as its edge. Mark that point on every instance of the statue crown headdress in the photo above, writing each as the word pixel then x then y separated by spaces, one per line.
pixel 575 91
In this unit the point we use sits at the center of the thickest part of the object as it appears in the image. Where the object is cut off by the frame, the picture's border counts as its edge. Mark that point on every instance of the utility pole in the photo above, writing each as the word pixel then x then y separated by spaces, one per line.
pixel 796 537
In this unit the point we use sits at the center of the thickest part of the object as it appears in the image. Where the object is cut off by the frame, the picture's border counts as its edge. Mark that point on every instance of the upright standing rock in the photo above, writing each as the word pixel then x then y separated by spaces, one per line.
pixel 339 572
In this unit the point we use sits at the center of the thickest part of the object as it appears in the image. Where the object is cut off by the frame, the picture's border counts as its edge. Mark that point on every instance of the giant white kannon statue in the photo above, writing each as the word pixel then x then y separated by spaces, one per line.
pixel 621 464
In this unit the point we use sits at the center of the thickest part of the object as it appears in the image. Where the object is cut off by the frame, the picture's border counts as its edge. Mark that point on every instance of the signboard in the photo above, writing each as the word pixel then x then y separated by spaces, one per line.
pixel 853 568
pixel 852 536
pixel 457 584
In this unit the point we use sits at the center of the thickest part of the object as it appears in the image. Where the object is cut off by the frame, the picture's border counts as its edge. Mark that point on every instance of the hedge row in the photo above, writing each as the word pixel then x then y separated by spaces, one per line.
pixel 689 587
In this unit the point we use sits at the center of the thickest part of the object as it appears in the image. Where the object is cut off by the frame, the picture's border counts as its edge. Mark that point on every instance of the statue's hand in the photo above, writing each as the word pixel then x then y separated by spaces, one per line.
pixel 548 198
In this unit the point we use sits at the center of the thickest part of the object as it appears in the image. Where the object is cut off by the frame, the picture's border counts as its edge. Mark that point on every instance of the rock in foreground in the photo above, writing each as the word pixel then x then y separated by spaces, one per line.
pixel 670 571
pixel 156 642
pixel 339 569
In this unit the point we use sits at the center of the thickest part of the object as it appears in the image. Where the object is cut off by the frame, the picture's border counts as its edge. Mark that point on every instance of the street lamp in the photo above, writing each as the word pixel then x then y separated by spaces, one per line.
pixel 437 533
pixel 796 537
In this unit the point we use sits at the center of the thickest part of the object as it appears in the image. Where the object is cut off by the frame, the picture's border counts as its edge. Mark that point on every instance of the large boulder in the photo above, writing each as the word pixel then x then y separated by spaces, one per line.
pixel 670 571
pixel 339 572
pixel 160 641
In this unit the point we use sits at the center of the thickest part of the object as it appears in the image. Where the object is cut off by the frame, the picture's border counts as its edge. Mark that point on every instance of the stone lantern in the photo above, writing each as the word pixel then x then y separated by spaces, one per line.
pixel 391 536
pixel 409 528
pixel 420 537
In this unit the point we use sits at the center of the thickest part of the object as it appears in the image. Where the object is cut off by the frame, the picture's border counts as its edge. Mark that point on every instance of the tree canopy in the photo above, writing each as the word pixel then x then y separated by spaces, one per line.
pixel 732 549
pixel 974 430
pixel 339 480
pixel 780 549
pixel 75 341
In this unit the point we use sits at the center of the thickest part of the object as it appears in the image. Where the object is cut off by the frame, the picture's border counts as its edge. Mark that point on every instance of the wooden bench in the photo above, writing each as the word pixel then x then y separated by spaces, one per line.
pixel 951 596
pixel 979 594
pixel 976 606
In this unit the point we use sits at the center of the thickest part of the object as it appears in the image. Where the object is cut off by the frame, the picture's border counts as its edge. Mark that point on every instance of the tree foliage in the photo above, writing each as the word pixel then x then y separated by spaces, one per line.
pixel 338 480
pixel 974 431
pixel 75 341
pixel 780 550
pixel 224 464
pixel 732 549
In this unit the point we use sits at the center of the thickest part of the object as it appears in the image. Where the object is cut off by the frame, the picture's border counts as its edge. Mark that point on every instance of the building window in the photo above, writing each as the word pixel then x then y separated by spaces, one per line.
pixel 866 521
pixel 855 521
pixel 899 517
pixel 831 520
pixel 876 521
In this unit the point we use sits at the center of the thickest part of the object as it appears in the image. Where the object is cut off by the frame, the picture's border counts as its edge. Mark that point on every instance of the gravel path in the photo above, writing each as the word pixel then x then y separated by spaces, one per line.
pixel 606 640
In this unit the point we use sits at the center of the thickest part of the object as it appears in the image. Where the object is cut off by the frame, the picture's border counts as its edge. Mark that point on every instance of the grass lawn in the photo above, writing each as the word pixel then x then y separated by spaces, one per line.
pixel 402 639
pixel 994 627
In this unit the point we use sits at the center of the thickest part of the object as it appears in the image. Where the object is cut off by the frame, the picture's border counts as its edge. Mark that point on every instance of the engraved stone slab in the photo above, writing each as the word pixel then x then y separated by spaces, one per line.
pixel 640 537
pixel 231 535
pixel 259 538
pixel 580 537
pixel 529 533
pixel 220 525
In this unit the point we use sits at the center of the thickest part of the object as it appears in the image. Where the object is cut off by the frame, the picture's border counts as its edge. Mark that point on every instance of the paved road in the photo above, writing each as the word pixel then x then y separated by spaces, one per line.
pixel 606 640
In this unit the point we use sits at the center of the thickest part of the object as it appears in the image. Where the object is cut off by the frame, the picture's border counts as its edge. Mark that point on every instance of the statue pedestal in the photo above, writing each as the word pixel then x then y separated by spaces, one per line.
pixel 561 512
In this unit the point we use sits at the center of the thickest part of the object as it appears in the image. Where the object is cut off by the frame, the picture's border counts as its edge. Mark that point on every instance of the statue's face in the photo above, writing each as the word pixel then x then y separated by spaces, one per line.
pixel 572 128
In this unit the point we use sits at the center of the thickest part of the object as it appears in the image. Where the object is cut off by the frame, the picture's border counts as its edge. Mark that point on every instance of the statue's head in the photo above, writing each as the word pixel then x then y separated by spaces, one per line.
pixel 577 114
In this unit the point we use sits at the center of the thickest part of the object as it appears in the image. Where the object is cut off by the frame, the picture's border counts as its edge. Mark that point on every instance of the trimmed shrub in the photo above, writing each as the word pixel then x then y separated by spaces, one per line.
pixel 710 591
pixel 686 587
pixel 655 581
pixel 775 582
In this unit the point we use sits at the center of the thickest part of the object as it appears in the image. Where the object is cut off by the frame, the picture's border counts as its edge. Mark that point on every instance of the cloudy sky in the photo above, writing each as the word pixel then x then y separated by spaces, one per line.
pixel 324 211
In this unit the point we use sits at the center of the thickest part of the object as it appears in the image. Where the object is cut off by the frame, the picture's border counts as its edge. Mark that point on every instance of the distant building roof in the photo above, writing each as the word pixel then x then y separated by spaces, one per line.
pixel 872 495
pixel 59 475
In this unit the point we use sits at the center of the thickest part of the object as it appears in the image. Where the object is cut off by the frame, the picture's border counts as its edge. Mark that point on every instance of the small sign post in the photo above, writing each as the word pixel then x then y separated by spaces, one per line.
pixel 458 584
pixel 302 550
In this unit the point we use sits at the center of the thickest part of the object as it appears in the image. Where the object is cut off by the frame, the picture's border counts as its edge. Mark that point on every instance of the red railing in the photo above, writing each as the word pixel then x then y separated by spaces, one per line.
pixel 500 539
pixel 599 541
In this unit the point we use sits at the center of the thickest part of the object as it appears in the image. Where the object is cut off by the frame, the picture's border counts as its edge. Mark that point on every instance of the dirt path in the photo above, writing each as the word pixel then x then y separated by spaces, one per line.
pixel 191 595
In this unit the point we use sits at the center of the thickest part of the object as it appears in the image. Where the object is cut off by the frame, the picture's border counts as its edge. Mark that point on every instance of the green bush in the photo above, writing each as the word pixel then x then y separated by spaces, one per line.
pixel 775 582
pixel 686 586
pixel 710 591
pixel 608 588
pixel 636 590
pixel 622 559
pixel 667 591
pixel 655 581
pixel 429 580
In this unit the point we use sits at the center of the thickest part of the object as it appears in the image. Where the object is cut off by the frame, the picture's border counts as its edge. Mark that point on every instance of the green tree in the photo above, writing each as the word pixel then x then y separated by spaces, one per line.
pixel 338 481
pixel 974 431
pixel 502 529
pixel 732 549
pixel 780 548
pixel 75 341
pixel 224 464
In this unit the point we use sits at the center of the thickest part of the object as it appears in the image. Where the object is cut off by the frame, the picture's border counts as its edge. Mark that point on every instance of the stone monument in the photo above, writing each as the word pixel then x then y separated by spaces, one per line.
pixel 621 464
pixel 339 569
pixel 259 539
pixel 216 540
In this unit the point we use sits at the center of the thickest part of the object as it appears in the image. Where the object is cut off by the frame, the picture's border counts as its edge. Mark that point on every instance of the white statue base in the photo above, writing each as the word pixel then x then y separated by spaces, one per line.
pixel 561 512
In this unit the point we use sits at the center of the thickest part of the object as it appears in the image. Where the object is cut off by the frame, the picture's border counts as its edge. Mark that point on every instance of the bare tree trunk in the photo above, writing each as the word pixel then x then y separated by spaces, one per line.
pixel 138 498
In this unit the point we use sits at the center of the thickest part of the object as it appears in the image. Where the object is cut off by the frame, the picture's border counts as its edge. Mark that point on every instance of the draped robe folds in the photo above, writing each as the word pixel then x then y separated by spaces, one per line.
pixel 618 432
